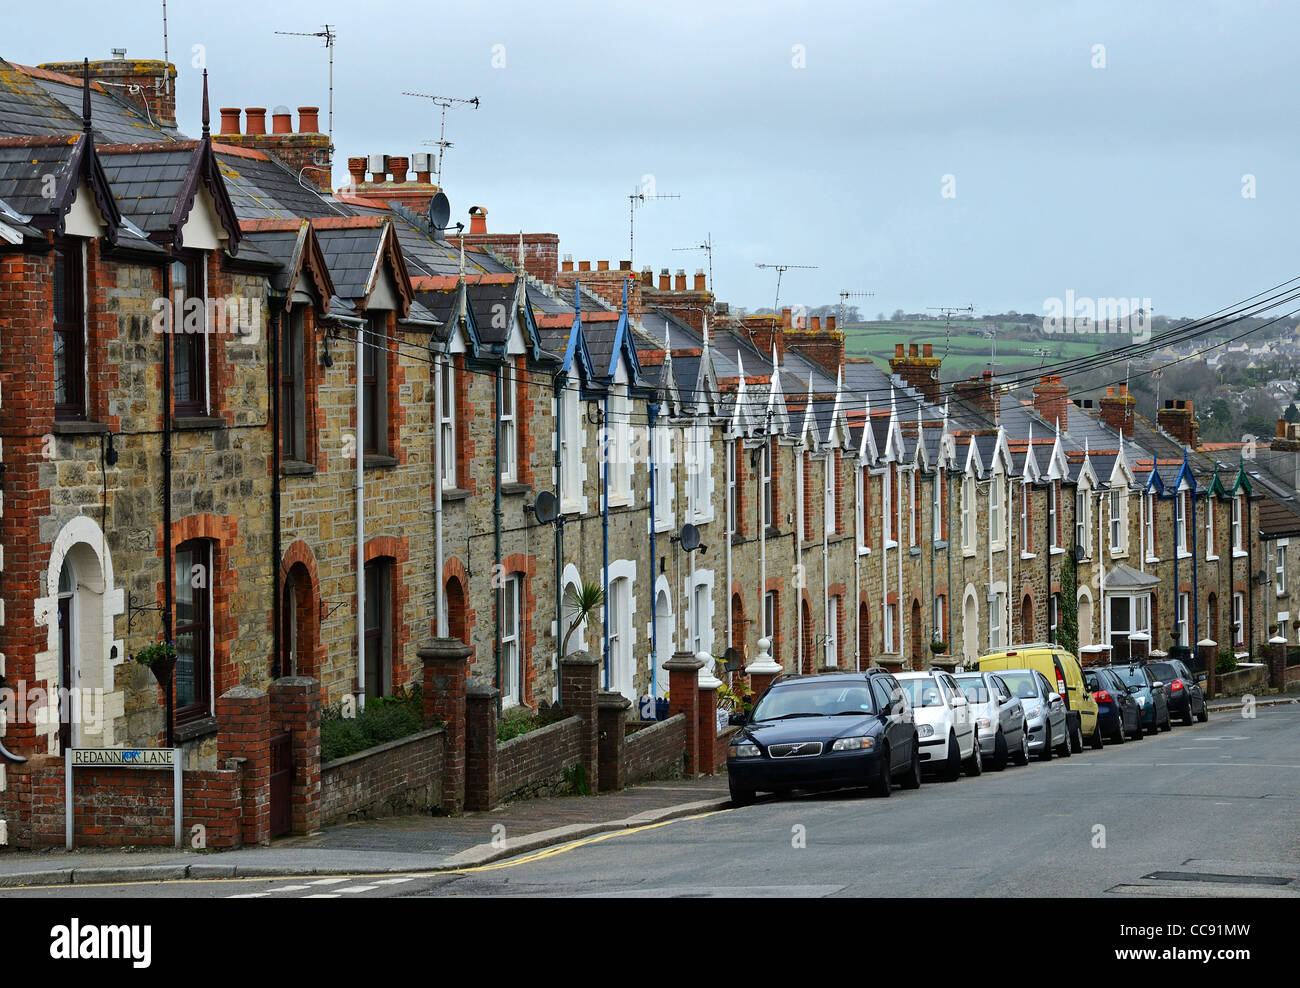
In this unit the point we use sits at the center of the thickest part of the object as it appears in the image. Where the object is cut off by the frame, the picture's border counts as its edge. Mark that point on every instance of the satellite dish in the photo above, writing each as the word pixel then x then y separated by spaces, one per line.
pixel 690 537
pixel 1261 577
pixel 1079 553
pixel 440 210
pixel 732 659
pixel 545 507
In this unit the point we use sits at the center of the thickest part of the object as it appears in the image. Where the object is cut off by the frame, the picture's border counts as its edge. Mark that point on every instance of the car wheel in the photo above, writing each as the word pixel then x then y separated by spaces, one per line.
pixel 912 780
pixel 1138 735
pixel 975 763
pixel 1187 713
pixel 1076 739
pixel 1065 748
pixel 1119 735
pixel 1022 756
pixel 1097 742
pixel 952 768
pixel 740 796
pixel 1168 725
pixel 999 753
pixel 1204 715
pixel 884 784
pixel 1046 755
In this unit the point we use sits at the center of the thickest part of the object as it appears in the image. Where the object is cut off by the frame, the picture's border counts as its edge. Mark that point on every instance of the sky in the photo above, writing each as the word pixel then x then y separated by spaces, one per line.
pixel 996 154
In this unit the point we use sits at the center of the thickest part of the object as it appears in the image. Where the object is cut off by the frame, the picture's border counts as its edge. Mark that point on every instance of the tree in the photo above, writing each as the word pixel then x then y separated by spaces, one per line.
pixel 897 316
pixel 580 603
pixel 1067 625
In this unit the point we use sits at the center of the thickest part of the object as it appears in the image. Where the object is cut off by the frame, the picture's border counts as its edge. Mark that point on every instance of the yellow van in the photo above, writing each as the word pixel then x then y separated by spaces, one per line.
pixel 1064 672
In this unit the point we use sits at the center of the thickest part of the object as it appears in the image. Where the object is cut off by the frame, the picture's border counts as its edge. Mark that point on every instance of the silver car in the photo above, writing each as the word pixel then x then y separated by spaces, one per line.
pixel 999 717
pixel 1044 712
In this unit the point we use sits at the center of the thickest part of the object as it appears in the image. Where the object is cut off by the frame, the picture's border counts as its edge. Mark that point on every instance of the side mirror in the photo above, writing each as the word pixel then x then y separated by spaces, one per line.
pixel 1053 698
pixel 1157 685
pixel 738 720
pixel 958 700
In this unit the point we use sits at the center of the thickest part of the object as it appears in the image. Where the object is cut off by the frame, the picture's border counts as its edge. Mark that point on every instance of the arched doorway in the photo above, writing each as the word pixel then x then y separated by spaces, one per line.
pixel 1027 619
pixel 970 627
pixel 67 636
pixel 864 636
pixel 806 638
pixel 664 627
pixel 1084 614
pixel 917 644
pixel 457 618
pixel 299 632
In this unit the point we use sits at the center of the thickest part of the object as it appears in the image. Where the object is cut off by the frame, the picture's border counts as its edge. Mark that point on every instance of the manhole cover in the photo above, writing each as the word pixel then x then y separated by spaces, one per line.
pixel 1196 876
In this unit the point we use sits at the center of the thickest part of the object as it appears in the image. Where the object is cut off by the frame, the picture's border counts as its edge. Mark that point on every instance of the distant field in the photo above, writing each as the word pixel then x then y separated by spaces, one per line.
pixel 967 351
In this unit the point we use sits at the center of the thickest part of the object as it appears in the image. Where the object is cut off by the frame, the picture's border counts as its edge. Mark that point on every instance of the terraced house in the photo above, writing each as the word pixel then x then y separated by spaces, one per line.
pixel 303 433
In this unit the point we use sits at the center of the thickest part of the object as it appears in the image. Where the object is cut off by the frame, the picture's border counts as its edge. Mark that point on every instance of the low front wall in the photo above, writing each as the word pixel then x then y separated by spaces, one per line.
pixel 720 749
pixel 539 757
pixel 1244 679
pixel 122 807
pixel 394 777
pixel 657 751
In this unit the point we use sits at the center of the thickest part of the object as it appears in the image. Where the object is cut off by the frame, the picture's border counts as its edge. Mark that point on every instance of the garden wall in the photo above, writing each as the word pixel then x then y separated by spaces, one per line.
pixel 656 751
pixel 394 777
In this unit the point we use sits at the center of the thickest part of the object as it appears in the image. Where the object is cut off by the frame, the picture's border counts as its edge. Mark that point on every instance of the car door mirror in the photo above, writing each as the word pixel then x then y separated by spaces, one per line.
pixel 1157 685
pixel 738 720
pixel 1053 698
pixel 958 700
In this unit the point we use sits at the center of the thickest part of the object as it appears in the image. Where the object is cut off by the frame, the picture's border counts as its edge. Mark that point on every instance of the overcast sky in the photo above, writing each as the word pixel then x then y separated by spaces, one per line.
pixel 822 134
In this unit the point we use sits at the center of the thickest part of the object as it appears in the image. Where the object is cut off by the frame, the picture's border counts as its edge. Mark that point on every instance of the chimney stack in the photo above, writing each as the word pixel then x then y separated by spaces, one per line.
pixel 979 392
pixel 920 372
pixel 1051 401
pixel 148 83
pixel 1177 419
pixel 299 152
pixel 700 280
pixel 1117 409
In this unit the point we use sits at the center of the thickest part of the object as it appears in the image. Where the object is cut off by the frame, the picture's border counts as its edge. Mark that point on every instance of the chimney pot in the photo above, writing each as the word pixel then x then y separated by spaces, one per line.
pixel 665 280
pixel 700 281
pixel 584 265
pixel 309 119
pixel 815 324
pixel 566 264
pixel 898 349
pixel 477 219
pixel 230 119
pixel 256 120
pixel 679 283
pixel 785 318
pixel 281 122
pixel 399 165
pixel 830 324
pixel 602 265
pixel 913 350
pixel 625 265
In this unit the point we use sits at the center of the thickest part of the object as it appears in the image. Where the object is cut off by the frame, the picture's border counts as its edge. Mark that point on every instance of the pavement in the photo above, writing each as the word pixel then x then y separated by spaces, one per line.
pixel 405 844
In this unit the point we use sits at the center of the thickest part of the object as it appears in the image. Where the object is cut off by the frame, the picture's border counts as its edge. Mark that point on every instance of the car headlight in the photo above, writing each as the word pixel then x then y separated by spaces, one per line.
pixel 744 751
pixel 853 744
pixel 925 731
pixel 985 723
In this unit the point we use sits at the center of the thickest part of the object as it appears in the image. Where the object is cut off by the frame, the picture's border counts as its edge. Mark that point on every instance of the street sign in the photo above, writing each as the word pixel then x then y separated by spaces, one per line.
pixel 157 758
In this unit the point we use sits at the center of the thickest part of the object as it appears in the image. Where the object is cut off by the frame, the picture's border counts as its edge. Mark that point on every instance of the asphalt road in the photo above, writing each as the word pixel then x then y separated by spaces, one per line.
pixel 1203 810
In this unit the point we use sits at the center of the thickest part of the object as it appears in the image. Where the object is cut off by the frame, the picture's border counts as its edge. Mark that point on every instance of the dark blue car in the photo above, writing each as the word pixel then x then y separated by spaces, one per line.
pixel 825 732
pixel 1118 715
pixel 1150 695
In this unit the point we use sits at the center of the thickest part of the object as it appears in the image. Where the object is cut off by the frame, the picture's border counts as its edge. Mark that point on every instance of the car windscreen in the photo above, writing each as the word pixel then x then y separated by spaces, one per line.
pixel 1134 676
pixel 814 700
pixel 973 688
pixel 922 692
pixel 1022 684
pixel 1163 671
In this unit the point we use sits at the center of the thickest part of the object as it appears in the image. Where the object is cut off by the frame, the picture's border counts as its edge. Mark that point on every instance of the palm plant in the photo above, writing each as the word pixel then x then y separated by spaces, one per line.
pixel 580 602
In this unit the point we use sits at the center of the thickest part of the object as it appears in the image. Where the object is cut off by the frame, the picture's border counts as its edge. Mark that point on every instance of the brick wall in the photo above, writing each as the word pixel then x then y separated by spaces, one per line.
pixel 396 777
pixel 539 757
pixel 656 751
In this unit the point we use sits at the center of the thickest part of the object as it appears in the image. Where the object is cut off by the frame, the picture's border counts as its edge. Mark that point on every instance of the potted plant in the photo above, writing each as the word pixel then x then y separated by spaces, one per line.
pixel 938 647
pixel 160 657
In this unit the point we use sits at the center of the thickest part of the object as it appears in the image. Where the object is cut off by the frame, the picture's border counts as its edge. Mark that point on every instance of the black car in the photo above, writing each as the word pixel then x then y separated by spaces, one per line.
pixel 826 732
pixel 1183 690
pixel 1118 714
pixel 1149 692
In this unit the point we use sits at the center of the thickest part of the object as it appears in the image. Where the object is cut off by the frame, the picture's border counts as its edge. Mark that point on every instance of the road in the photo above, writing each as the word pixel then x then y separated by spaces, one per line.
pixel 1219 798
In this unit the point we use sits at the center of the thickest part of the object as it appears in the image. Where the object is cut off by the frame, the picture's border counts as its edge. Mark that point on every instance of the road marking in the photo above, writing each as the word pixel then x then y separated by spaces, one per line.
pixel 248 895
pixel 354 889
pixel 323 895
pixel 329 881
pixel 393 881
pixel 289 888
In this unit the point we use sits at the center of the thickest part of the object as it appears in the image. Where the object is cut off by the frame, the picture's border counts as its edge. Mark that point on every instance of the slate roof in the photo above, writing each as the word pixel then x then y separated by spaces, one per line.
pixel 261 188
pixel 23 170
pixel 350 254
pixel 491 302
pixel 147 183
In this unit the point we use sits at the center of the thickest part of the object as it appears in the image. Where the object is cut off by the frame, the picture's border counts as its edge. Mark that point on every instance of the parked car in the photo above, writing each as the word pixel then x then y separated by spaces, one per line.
pixel 1044 712
pixel 944 723
pixel 824 732
pixel 1150 695
pixel 1064 670
pixel 1118 712
pixel 1186 697
pixel 999 719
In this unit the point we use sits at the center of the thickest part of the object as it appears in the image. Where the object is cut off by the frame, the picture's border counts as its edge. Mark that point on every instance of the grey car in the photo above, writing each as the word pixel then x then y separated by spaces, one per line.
pixel 1044 712
pixel 999 718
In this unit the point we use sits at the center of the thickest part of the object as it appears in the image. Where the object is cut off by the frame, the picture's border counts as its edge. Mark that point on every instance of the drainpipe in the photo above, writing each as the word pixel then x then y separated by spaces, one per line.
pixel 989 542
pixel 802 577
pixel 1103 546
pixel 1249 535
pixel 439 597
pixel 276 439
pixel 729 445
pixel 1051 519
pixel 652 412
pixel 857 566
pixel 169 566
pixel 826 587
pixel 947 513
pixel 898 551
pixel 886 479
pixel 604 527
pixel 761 514
pixel 1196 613
pixel 559 385
pixel 1009 542
pixel 934 537
pixel 1177 623
pixel 360 484
pixel 496 529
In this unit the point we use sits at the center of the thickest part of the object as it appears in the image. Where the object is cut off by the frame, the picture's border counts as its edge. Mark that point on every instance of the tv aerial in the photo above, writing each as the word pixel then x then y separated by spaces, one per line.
pixel 327 35
pixel 446 103
pixel 707 247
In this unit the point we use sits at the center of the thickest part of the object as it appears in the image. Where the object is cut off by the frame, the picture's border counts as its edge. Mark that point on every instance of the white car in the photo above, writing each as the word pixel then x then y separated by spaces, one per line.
pixel 999 718
pixel 944 724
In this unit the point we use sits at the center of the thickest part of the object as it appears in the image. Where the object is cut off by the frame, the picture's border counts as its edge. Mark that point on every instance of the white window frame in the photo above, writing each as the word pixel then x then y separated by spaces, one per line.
pixel 889 628
pixel 996 607
pixel 1148 506
pixel 511 640
pixel 914 510
pixel 1180 525
pixel 1025 494
pixel 887 506
pixel 860 508
pixel 936 507
pixel 770 608
pixel 1279 568
pixel 1182 613
pixel 828 495
pixel 1238 518
pixel 698 482
pixel 571 447
pixel 833 631
pixel 968 514
pixel 732 449
pixel 447 436
pixel 1239 619
pixel 509 426
pixel 995 511
pixel 767 506
pixel 701 626
pixel 1210 554
pixel 1081 518
pixel 1114 502
pixel 1053 506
